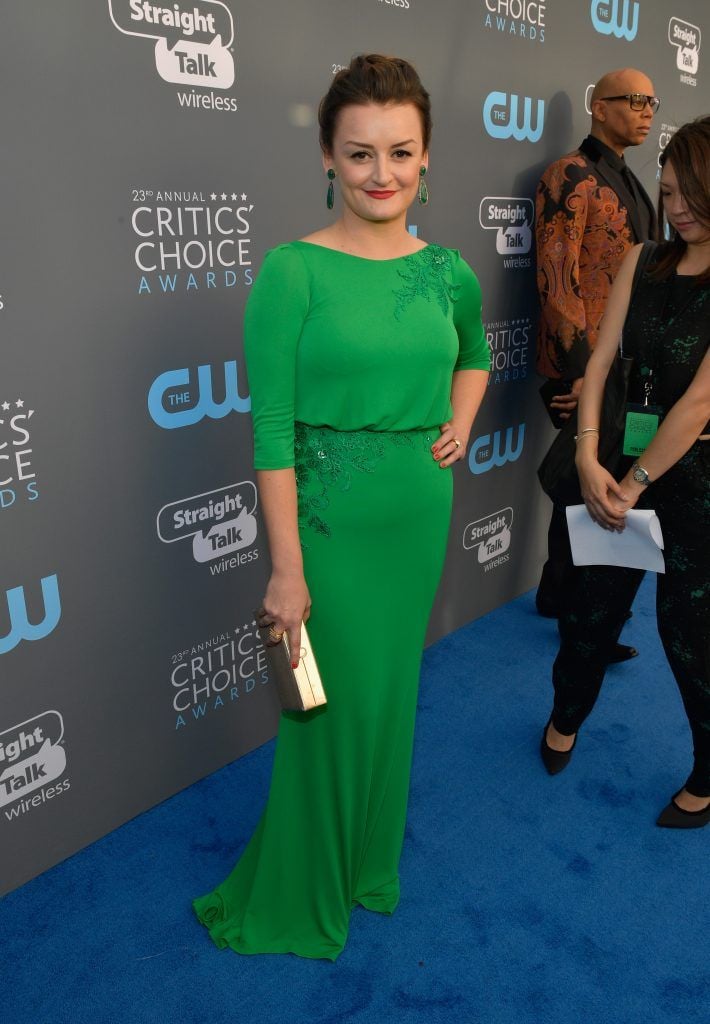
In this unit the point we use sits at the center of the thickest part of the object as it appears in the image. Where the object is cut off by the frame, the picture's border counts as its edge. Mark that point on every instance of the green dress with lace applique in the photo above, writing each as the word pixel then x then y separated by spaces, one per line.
pixel 350 365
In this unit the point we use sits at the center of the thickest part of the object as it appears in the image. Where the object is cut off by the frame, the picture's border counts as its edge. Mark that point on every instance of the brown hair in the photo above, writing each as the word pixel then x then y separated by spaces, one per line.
pixel 371 78
pixel 689 152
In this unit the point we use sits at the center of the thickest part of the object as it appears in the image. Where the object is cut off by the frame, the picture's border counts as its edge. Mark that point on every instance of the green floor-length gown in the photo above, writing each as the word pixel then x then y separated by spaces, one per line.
pixel 350 364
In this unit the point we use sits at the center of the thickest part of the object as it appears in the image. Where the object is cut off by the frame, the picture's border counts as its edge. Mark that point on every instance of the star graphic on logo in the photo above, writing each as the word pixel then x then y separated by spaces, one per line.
pixel 223 196
pixel 19 403
pixel 213 196
pixel 6 406
pixel 234 197
pixel 244 197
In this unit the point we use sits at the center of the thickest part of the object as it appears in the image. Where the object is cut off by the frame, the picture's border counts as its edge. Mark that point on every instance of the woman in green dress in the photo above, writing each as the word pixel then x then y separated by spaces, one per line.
pixel 367 363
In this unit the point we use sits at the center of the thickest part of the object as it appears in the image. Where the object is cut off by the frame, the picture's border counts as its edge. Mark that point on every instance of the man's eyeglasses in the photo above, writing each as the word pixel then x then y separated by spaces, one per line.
pixel 637 100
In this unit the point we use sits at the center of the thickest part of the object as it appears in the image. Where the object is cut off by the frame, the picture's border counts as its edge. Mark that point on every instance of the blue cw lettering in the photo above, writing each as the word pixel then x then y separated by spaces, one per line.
pixel 501 120
pixel 20 626
pixel 205 405
pixel 608 20
pixel 499 453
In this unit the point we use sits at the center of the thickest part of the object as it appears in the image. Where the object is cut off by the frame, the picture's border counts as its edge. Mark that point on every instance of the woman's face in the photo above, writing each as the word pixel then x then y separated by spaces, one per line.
pixel 678 213
pixel 377 152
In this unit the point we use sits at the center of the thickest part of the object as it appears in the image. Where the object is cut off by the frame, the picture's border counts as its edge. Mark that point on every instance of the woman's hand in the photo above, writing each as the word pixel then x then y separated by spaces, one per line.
pixel 287 604
pixel 605 499
pixel 450 445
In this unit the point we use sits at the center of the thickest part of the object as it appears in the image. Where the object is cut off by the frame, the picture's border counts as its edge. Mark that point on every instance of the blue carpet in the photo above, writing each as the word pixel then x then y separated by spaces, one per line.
pixel 526 899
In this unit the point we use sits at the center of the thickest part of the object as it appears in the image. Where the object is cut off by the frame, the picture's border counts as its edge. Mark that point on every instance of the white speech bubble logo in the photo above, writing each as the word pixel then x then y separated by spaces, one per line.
pixel 39 769
pixel 225 537
pixel 204 518
pixel 493 546
pixel 490 535
pixel 686 38
pixel 195 64
pixel 179 58
pixel 511 217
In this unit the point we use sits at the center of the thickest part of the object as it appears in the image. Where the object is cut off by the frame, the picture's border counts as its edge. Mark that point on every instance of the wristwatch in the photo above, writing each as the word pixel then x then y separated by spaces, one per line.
pixel 640 475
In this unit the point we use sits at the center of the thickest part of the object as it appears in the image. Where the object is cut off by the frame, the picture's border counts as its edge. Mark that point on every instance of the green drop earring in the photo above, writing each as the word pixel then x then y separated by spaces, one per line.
pixel 423 194
pixel 330 197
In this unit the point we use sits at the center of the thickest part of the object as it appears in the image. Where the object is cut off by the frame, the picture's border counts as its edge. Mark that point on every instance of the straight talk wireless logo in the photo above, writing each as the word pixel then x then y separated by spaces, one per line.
pixel 490 538
pixel 194 46
pixel 221 525
pixel 32 759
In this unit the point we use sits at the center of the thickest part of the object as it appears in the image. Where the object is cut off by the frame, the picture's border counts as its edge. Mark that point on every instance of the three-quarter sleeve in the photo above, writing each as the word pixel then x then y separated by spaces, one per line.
pixel 474 350
pixel 275 313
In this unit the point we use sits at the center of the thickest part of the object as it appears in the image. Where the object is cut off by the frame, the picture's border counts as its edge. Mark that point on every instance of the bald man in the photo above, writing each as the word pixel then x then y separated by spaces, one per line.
pixel 590 210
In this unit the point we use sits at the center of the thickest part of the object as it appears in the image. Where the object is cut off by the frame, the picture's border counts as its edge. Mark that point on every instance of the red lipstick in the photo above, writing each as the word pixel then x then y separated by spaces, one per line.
pixel 377 194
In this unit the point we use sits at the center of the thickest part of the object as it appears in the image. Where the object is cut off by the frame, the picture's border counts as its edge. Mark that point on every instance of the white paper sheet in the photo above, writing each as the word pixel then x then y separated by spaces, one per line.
pixel 638 546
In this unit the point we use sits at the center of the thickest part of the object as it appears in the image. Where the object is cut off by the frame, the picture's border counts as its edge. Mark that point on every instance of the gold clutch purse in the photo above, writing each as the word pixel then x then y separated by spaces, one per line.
pixel 299 689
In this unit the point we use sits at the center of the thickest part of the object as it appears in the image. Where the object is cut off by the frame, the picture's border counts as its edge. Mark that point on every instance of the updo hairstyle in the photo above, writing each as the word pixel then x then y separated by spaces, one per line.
pixel 372 78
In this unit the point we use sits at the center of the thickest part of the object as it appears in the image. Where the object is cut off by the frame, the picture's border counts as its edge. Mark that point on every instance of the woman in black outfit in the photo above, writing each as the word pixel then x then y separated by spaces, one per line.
pixel 667 331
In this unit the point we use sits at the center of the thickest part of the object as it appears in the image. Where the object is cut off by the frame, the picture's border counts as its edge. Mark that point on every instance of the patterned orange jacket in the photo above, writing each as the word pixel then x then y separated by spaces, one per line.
pixel 587 220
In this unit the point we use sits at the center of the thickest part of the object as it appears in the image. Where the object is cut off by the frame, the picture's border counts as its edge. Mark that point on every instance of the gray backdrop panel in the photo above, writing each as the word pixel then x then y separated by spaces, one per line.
pixel 135 671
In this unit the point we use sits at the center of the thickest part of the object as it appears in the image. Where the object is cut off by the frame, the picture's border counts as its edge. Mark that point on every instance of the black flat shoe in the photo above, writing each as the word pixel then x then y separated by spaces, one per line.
pixel 554 760
pixel 674 816
pixel 622 652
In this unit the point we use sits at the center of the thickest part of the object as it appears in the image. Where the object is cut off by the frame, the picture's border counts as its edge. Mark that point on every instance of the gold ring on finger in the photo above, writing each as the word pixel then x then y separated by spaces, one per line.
pixel 275 635
pixel 457 442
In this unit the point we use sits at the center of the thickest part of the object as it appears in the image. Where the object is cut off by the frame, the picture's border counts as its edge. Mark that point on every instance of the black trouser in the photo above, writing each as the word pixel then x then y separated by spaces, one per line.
pixel 558 571
pixel 601 596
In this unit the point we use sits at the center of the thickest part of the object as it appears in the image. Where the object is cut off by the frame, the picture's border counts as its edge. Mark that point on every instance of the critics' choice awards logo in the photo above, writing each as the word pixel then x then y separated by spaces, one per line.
pixel 20 627
pixel 490 538
pixel 176 399
pixel 618 18
pixel 509 342
pixel 522 18
pixel 32 756
pixel 220 523
pixel 509 116
pixel 192 48
pixel 18 481
pixel 191 240
pixel 664 137
pixel 511 217
pixel 504 446
pixel 686 40
pixel 221 671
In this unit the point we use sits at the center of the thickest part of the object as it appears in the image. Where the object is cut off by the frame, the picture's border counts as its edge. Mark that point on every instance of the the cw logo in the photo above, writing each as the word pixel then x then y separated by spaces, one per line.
pixel 607 19
pixel 20 626
pixel 485 454
pixel 501 120
pixel 175 415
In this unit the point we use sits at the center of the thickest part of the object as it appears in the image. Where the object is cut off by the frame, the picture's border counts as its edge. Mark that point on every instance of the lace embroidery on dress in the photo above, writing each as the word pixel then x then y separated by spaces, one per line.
pixel 428 273
pixel 327 458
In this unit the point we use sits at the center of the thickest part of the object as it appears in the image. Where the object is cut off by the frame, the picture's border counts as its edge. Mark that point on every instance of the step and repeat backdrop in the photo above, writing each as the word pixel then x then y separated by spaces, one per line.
pixel 152 153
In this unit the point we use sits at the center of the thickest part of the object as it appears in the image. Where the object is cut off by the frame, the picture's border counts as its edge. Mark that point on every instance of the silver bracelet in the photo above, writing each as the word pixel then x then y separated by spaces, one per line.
pixel 586 431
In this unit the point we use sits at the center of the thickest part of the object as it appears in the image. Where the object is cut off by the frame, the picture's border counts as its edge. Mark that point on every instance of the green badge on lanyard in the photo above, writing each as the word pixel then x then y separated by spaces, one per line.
pixel 641 427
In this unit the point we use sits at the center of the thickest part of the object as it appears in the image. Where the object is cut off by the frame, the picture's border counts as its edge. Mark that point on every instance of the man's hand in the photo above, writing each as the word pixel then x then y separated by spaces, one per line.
pixel 568 403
